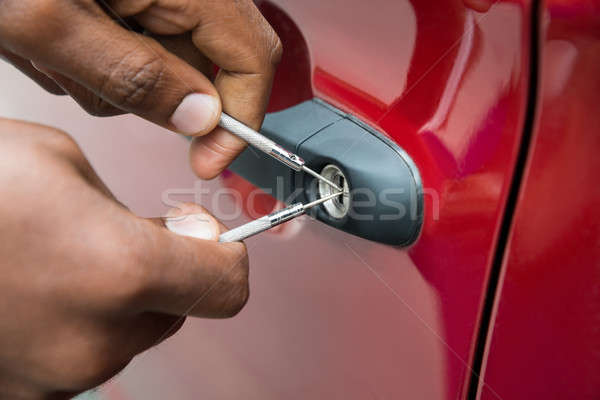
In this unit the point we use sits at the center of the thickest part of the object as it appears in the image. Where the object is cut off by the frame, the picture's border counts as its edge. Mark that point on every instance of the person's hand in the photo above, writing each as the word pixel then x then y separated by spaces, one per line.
pixel 85 49
pixel 86 285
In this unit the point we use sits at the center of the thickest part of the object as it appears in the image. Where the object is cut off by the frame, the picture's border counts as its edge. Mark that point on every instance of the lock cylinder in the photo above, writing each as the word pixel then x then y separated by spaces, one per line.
pixel 339 206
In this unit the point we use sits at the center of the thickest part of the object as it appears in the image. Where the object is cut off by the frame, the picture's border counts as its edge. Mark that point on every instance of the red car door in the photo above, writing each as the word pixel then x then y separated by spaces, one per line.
pixel 543 337
pixel 333 315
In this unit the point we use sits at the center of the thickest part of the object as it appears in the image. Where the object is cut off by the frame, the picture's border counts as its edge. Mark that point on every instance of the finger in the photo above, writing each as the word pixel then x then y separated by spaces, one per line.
pixel 236 37
pixel 188 276
pixel 176 274
pixel 132 265
pixel 87 99
pixel 28 69
pixel 183 47
pixel 185 211
pixel 150 269
pixel 244 80
pixel 68 152
pixel 130 71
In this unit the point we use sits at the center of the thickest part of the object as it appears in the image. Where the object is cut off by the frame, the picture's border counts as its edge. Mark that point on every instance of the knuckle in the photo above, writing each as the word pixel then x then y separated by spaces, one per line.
pixel 58 141
pixel 130 83
pixel 269 50
pixel 40 139
pixel 272 45
pixel 276 48
pixel 263 52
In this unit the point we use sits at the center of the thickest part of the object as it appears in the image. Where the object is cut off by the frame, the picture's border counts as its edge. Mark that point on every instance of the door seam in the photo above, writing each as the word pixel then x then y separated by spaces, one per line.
pixel 498 259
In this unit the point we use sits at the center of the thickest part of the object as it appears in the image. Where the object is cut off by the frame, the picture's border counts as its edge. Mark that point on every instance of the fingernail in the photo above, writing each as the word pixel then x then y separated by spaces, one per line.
pixel 199 226
pixel 195 114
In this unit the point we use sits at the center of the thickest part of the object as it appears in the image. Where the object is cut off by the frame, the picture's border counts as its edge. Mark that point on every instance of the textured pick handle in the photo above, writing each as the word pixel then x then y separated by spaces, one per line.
pixel 247 134
pixel 245 231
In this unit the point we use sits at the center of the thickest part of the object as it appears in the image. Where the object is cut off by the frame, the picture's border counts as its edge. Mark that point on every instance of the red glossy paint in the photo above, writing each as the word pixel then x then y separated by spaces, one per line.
pixel 334 316
pixel 545 333
pixel 448 84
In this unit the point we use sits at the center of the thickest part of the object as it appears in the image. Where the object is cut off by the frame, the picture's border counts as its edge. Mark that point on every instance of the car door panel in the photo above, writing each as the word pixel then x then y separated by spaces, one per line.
pixel 544 336
pixel 332 315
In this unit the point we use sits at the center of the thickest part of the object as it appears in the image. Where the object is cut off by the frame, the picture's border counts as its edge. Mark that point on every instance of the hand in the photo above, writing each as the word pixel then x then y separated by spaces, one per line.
pixel 85 284
pixel 77 47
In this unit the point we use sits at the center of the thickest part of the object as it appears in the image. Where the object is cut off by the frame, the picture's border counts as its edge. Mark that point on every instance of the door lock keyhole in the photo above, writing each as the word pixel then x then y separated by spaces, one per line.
pixel 339 206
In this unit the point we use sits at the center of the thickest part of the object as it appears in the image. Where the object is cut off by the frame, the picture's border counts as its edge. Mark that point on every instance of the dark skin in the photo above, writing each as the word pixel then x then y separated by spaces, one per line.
pixel 86 285
pixel 76 48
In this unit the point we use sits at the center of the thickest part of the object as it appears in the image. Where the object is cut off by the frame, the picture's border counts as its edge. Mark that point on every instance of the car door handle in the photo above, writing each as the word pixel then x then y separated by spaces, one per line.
pixel 385 196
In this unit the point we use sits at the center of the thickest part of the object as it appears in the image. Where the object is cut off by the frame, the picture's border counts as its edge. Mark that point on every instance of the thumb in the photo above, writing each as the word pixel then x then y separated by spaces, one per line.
pixel 193 221
pixel 186 276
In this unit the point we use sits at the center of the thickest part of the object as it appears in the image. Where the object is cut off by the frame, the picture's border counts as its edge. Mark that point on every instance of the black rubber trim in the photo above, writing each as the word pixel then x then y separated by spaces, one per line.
pixel 511 204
